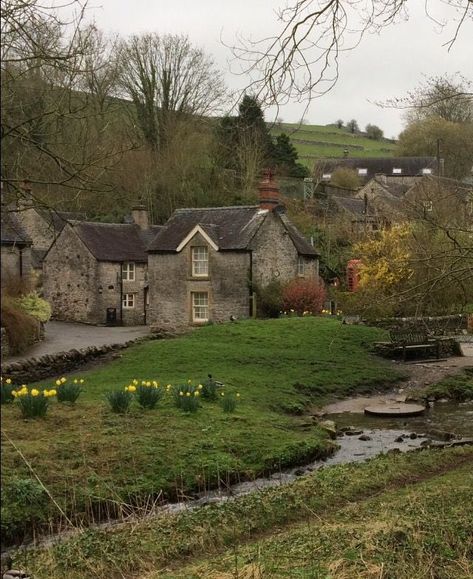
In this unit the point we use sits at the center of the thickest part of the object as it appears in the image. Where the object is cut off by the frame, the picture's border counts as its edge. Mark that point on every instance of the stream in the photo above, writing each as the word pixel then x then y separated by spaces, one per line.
pixel 359 438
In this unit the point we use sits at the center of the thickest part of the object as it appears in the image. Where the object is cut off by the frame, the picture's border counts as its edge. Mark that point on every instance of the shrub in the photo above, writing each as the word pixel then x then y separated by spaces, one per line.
pixel 68 391
pixel 35 306
pixel 6 391
pixel 21 328
pixel 149 394
pixel 186 397
pixel 228 401
pixel 210 389
pixel 33 403
pixel 304 295
pixel 269 300
pixel 119 400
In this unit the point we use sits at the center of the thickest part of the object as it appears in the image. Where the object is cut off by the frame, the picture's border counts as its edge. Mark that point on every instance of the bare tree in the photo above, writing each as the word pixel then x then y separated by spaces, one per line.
pixel 301 62
pixel 166 78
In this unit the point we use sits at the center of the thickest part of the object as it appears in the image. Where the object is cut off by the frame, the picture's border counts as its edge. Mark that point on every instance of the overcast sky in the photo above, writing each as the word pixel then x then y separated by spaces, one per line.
pixel 385 65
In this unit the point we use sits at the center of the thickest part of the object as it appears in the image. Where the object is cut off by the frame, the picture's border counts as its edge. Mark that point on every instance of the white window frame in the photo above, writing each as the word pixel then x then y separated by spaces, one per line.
pixel 128 301
pixel 428 206
pixel 362 171
pixel 426 171
pixel 128 271
pixel 200 261
pixel 200 307
pixel 301 266
pixel 326 176
pixel 397 171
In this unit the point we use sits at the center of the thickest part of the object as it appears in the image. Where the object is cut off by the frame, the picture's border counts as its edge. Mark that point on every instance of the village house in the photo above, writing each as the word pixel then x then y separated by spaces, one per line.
pixel 15 249
pixel 96 273
pixel 206 264
pixel 41 223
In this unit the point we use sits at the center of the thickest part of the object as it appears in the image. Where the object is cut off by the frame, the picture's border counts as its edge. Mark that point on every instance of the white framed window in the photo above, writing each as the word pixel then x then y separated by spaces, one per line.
pixel 426 171
pixel 326 176
pixel 128 301
pixel 428 205
pixel 301 266
pixel 397 171
pixel 128 271
pixel 200 306
pixel 200 261
pixel 362 171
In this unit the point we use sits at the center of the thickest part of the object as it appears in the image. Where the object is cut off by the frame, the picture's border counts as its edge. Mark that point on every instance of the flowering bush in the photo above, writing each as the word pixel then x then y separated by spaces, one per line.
pixel 68 391
pixel 120 400
pixel 229 401
pixel 148 393
pixel 6 391
pixel 35 306
pixel 33 403
pixel 304 296
pixel 186 396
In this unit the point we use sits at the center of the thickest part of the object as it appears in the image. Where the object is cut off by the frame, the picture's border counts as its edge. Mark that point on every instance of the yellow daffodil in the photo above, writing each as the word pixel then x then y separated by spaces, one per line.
pixel 14 393
pixel 181 393
pixel 222 394
pixel 189 381
pixel 200 386
pixel 81 381
pixel 76 381
pixel 168 387
pixel 196 393
pixel 132 388
pixel 34 392
pixel 155 384
pixel 58 382
pixel 135 382
pixel 63 380
pixel 148 384
pixel 238 395
pixel 52 392
pixel 188 394
pixel 8 381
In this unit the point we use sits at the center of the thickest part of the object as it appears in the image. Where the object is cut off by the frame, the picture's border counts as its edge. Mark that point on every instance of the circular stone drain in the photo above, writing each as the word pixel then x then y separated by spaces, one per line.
pixel 399 409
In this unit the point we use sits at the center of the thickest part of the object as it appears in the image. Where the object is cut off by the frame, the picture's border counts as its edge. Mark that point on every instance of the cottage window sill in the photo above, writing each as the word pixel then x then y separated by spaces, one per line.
pixel 198 278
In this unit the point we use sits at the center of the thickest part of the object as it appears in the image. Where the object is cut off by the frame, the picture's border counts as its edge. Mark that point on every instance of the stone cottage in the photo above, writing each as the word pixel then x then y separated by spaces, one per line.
pixel 205 264
pixel 15 248
pixel 97 272
pixel 42 224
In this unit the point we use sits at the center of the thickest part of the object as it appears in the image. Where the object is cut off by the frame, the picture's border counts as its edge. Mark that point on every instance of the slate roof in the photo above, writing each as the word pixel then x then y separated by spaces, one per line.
pixel 115 241
pixel 350 204
pixel 12 232
pixel 59 218
pixel 231 228
pixel 382 165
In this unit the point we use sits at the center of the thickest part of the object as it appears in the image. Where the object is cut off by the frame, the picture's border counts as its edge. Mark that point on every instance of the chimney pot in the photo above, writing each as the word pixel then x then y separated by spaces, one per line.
pixel 268 192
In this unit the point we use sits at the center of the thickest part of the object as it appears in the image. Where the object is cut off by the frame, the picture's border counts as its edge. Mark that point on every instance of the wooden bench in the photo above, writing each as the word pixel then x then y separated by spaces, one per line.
pixel 413 339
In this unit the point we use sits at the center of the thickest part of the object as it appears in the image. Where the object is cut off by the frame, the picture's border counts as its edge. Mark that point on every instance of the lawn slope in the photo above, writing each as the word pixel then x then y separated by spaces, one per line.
pixel 93 461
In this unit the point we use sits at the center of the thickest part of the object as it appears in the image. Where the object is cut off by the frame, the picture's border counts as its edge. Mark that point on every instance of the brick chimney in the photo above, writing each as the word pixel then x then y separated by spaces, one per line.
pixel 139 214
pixel 268 192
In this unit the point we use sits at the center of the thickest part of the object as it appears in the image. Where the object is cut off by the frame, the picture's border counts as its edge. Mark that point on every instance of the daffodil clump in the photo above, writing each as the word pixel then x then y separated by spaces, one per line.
pixel 187 396
pixel 6 391
pixel 120 400
pixel 229 401
pixel 69 391
pixel 33 403
pixel 210 389
pixel 148 393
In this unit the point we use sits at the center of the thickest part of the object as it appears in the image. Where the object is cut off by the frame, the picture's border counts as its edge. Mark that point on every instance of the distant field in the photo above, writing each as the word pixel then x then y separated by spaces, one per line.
pixel 315 141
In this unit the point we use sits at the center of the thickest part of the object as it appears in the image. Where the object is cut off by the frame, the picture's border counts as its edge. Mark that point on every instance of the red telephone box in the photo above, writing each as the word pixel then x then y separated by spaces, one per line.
pixel 353 276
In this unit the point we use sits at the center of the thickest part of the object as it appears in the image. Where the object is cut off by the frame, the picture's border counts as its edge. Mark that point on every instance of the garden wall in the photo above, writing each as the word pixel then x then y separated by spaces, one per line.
pixel 53 365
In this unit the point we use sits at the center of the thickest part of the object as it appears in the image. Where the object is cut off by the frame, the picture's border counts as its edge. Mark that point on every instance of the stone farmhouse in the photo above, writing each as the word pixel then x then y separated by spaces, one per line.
pixel 205 264
pixel 41 224
pixel 97 273
pixel 15 248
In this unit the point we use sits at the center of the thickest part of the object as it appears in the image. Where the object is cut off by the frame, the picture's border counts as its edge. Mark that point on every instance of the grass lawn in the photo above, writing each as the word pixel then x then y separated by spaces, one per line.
pixel 92 461
pixel 399 516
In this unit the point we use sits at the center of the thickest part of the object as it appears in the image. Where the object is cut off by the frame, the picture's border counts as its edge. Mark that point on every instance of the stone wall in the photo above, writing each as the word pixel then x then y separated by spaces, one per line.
pixel 70 280
pixel 275 256
pixel 41 231
pixel 111 290
pixel 171 285
pixel 53 365
pixel 15 262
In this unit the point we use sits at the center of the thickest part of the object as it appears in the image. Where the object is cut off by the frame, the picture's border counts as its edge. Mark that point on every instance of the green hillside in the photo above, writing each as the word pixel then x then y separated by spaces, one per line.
pixel 316 141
